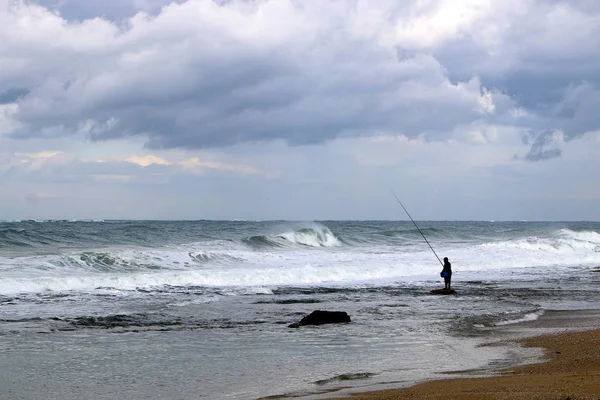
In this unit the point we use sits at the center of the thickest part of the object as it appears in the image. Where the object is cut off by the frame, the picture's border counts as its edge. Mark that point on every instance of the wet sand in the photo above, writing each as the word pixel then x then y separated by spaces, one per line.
pixel 571 370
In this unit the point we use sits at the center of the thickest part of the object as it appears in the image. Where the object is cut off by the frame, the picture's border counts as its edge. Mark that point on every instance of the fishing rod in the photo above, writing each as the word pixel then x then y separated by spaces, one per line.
pixel 417 227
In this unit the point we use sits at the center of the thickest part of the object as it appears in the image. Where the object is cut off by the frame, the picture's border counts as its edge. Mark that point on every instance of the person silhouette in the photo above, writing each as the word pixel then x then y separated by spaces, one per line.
pixel 446 273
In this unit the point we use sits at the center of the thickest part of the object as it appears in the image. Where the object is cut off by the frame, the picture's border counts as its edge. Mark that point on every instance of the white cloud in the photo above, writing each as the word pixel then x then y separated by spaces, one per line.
pixel 44 159
pixel 147 160
pixel 200 74
pixel 431 23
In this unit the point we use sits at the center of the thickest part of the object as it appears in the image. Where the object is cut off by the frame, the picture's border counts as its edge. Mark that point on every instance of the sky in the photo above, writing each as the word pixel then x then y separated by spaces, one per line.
pixel 300 110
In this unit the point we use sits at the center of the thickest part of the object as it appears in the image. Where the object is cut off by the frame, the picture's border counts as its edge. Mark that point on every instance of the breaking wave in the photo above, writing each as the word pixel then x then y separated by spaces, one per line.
pixel 310 237
pixel 564 240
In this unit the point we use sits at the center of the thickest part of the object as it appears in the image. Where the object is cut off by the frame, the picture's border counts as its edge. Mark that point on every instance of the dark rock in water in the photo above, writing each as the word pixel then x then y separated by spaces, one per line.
pixel 319 317
pixel 443 291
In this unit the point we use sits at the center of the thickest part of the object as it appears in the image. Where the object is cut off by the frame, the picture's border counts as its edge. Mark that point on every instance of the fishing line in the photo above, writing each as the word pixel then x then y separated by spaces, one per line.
pixel 417 227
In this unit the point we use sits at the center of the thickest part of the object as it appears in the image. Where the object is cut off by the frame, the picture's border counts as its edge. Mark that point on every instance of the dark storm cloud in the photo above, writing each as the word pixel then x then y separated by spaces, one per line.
pixel 12 95
pixel 207 74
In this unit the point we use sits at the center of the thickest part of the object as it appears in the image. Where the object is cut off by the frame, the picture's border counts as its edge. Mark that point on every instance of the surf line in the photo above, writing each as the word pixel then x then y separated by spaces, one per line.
pixel 417 227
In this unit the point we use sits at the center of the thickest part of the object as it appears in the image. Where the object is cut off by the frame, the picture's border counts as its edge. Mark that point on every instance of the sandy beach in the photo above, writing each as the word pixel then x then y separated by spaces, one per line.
pixel 571 371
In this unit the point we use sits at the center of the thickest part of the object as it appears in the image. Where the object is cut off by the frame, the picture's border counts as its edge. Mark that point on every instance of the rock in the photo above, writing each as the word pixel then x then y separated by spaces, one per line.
pixel 319 317
pixel 443 291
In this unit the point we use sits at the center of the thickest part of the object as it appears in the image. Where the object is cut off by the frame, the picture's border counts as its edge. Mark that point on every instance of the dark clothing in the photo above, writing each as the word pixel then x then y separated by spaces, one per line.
pixel 447 268
pixel 447 274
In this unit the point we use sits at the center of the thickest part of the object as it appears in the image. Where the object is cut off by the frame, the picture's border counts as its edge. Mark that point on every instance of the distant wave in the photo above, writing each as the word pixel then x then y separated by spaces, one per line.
pixel 14 237
pixel 311 237
pixel 412 232
pixel 137 260
pixel 20 237
pixel 564 240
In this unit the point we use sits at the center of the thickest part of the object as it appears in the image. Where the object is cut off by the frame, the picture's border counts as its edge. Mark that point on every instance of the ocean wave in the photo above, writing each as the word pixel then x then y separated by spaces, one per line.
pixel 142 260
pixel 229 280
pixel 28 236
pixel 520 318
pixel 582 235
pixel 94 235
pixel 207 257
pixel 269 269
pixel 21 237
pixel 564 240
pixel 118 261
pixel 413 232
pixel 475 325
pixel 311 237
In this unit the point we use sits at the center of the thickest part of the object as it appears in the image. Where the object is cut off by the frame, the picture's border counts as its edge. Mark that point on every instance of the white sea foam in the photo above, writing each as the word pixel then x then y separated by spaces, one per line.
pixel 305 234
pixel 248 282
pixel 198 300
pixel 312 256
pixel 312 237
pixel 564 241
pixel 526 318
pixel 130 269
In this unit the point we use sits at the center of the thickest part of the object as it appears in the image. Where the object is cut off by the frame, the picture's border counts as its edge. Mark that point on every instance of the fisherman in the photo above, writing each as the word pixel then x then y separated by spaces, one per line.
pixel 446 273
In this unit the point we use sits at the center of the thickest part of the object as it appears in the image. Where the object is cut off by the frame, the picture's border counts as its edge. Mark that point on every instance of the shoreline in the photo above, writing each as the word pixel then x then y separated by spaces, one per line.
pixel 558 357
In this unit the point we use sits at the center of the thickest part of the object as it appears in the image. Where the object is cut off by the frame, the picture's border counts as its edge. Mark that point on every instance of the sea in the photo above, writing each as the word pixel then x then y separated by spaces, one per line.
pixel 201 309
